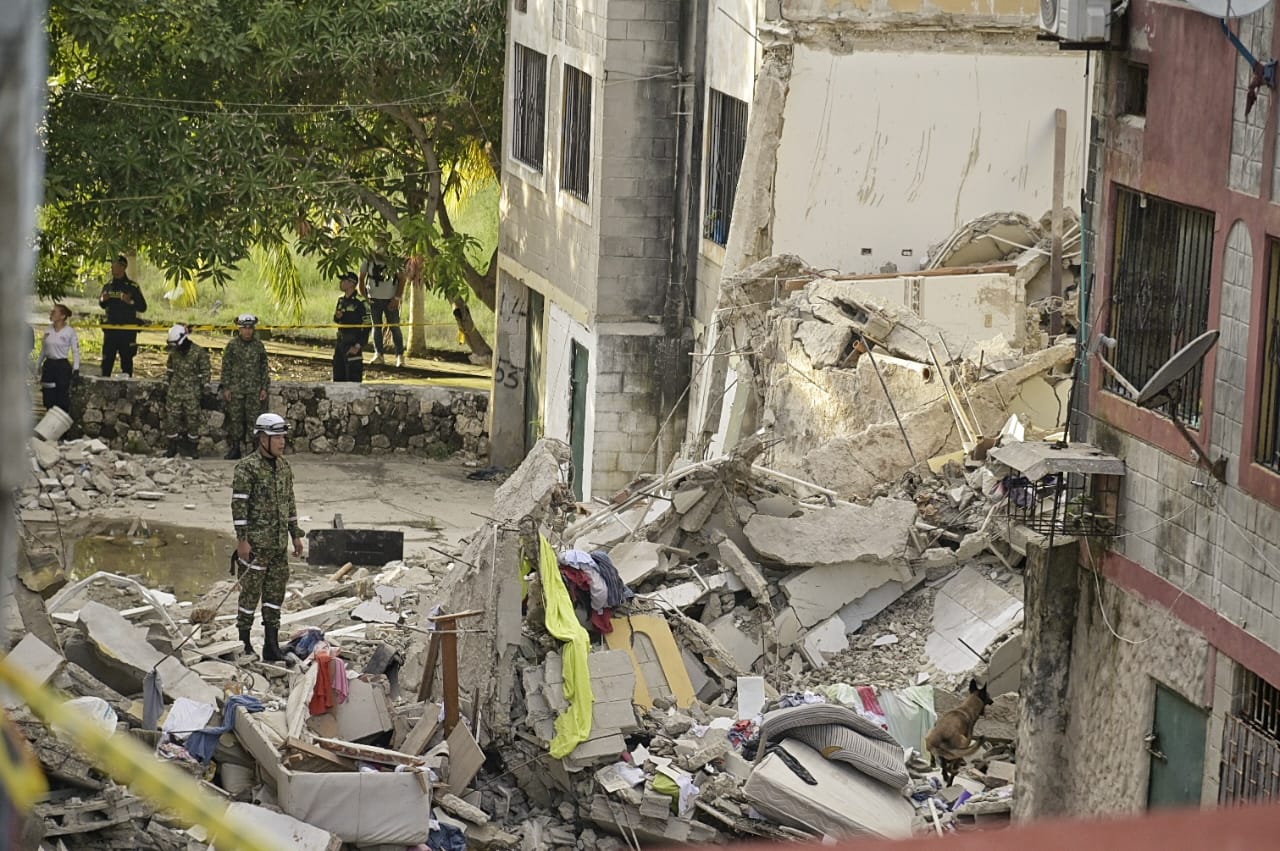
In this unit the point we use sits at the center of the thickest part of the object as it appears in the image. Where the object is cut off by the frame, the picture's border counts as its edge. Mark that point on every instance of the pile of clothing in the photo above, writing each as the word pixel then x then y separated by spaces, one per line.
pixel 594 583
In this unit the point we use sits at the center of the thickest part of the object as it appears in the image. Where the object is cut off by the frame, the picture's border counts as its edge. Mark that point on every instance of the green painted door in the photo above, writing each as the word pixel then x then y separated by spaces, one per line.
pixel 533 373
pixel 1176 745
pixel 578 418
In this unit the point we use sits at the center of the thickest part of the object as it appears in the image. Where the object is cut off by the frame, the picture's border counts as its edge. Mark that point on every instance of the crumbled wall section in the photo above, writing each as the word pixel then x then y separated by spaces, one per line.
pixel 356 418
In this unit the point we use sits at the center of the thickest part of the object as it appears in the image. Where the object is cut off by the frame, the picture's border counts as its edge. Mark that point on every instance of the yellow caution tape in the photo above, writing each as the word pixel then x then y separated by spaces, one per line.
pixel 260 327
pixel 20 773
pixel 128 762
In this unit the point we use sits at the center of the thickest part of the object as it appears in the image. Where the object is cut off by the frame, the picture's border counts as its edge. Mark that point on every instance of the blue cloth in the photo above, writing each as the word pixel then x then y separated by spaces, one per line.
pixel 619 593
pixel 446 837
pixel 202 743
pixel 305 643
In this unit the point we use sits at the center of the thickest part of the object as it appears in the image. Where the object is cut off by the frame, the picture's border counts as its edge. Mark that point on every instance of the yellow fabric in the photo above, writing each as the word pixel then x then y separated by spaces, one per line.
pixel 573 726
pixel 664 785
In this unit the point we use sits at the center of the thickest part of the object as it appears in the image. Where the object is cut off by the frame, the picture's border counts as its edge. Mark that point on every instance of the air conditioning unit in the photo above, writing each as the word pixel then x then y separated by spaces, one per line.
pixel 1076 21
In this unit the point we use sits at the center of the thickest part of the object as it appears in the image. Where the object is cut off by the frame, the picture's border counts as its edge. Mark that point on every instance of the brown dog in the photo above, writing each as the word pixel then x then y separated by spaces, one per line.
pixel 951 739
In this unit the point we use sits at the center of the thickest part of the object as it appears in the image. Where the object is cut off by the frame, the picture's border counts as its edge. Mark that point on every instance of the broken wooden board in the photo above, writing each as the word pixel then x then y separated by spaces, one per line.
pixel 358 546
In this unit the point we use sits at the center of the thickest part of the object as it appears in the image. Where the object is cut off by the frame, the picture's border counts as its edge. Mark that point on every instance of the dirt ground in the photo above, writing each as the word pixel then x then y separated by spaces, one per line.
pixel 432 502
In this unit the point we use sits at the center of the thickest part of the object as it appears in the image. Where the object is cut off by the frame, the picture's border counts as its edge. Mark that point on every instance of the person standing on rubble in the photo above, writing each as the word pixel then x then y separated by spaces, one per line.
pixel 187 374
pixel 244 381
pixel 265 516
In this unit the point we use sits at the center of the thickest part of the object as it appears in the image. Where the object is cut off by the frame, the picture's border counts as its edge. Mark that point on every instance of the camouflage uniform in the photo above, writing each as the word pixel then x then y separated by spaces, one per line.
pixel 264 513
pixel 244 373
pixel 188 373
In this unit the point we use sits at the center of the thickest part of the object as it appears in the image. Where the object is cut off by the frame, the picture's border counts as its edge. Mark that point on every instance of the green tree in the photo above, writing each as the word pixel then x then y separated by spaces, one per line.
pixel 194 131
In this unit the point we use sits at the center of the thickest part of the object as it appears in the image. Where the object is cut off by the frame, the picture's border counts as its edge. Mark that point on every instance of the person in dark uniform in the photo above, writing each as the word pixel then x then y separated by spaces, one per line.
pixel 123 300
pixel 352 318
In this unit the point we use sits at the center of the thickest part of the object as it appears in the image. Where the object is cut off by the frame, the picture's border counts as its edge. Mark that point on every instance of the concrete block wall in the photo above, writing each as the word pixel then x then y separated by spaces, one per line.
pixel 1248 131
pixel 584 25
pixel 638 158
pixel 627 410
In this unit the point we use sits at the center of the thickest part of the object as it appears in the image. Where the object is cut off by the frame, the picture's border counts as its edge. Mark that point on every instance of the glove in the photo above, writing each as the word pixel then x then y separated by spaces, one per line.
pixel 75 376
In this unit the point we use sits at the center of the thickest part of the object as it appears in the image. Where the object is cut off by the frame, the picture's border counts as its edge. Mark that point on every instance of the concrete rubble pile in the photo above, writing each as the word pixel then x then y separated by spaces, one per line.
pixel 78 476
pixel 764 666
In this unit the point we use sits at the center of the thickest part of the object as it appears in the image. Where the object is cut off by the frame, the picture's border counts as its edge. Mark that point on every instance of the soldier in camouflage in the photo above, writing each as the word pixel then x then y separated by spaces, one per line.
pixel 187 375
pixel 244 383
pixel 266 518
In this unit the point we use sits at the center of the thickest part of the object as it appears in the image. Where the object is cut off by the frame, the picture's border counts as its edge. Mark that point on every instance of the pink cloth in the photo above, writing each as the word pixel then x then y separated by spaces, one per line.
pixel 341 687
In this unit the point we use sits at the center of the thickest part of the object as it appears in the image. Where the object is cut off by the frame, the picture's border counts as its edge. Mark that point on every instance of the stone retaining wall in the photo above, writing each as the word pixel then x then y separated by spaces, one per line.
pixel 323 417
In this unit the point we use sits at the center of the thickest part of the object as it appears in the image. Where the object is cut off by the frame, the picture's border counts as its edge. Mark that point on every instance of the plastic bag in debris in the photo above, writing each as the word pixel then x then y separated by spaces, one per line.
pixel 94 709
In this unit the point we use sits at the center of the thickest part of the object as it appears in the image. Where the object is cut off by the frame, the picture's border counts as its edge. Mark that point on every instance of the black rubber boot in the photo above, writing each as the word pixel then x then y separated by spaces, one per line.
pixel 191 447
pixel 248 648
pixel 171 451
pixel 271 646
pixel 233 454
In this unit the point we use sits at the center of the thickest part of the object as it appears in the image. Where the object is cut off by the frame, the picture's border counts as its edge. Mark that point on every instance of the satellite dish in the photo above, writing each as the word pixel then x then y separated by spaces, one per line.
pixel 1183 361
pixel 1228 8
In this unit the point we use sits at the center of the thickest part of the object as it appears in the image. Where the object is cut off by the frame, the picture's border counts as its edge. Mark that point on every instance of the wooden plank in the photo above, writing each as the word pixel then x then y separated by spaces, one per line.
pixel 369 753
pixel 420 736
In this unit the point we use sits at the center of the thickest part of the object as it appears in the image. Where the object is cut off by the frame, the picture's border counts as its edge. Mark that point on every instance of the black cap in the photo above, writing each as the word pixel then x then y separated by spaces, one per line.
pixel 348 276
pixel 122 260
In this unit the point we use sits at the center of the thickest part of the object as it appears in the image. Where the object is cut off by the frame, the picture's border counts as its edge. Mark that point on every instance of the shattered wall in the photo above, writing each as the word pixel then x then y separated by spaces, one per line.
pixel 323 418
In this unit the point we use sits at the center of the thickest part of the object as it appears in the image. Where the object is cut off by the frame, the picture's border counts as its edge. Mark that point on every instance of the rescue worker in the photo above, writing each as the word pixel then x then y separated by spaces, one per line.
pixel 187 373
pixel 266 518
pixel 122 300
pixel 244 382
pixel 352 318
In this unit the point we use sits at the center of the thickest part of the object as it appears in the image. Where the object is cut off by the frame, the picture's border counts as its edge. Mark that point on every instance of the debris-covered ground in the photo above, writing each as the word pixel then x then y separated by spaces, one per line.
pixel 752 646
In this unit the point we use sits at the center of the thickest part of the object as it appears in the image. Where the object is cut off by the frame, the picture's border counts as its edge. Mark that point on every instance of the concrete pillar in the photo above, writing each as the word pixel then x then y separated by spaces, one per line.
pixel 22 82
pixel 507 416
pixel 1052 598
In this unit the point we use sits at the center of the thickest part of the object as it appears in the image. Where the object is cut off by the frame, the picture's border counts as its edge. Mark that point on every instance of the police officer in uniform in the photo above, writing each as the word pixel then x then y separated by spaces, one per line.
pixel 352 318
pixel 266 518
pixel 187 373
pixel 122 300
pixel 245 380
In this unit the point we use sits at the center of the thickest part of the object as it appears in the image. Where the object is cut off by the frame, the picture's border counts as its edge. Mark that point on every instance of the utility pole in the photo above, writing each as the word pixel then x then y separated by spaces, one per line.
pixel 22 81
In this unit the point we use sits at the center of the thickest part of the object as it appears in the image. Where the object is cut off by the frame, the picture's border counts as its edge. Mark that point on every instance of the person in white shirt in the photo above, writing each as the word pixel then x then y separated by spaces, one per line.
pixel 59 359
pixel 382 281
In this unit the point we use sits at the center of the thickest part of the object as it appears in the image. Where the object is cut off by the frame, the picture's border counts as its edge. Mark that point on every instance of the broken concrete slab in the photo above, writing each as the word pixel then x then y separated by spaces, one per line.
pixel 825 639
pixel 284 830
pixel 367 709
pixel 685 594
pixel 46 454
pixel 843 802
pixel 819 592
pixel 465 758
pixel 34 658
pixel 732 557
pixel 1004 669
pixel 870 604
pixel 741 644
pixel 123 647
pixel 373 611
pixel 844 536
pixel 969 613
pixel 637 560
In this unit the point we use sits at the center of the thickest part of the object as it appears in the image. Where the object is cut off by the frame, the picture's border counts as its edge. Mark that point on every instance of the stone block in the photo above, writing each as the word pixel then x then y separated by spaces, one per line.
pixel 826 639
pixel 742 645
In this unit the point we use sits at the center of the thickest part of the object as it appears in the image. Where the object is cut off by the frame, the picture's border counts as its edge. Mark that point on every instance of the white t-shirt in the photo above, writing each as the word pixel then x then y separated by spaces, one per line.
pixel 386 288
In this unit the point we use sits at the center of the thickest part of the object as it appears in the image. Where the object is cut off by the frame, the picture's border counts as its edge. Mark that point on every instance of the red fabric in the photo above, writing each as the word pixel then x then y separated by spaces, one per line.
pixel 579 585
pixel 322 700
pixel 870 701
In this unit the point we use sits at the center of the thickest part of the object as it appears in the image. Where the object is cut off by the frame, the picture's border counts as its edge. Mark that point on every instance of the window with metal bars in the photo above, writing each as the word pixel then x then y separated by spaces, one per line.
pixel 1250 766
pixel 726 140
pixel 575 134
pixel 1160 292
pixel 1268 451
pixel 529 106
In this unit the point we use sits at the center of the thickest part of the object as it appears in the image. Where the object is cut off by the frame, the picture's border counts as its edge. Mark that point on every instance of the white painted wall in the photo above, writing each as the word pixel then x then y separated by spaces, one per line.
pixel 561 330
pixel 892 151
pixel 733 55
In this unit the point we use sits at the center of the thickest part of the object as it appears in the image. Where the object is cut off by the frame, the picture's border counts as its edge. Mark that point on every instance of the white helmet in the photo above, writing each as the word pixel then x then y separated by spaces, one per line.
pixel 270 424
pixel 246 320
pixel 177 334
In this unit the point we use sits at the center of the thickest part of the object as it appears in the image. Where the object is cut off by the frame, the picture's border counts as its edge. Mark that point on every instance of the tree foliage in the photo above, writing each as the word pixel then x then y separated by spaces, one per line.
pixel 197 130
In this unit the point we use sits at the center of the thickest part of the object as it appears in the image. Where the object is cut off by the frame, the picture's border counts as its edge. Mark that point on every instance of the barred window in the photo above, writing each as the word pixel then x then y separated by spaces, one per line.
pixel 1160 291
pixel 1250 768
pixel 1268 452
pixel 529 106
pixel 726 140
pixel 575 134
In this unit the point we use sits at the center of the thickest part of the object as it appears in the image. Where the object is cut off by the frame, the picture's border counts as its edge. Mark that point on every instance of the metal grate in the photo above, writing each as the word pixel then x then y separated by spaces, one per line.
pixel 726 140
pixel 529 106
pixel 1160 291
pixel 1250 767
pixel 1259 703
pixel 1063 503
pixel 575 134
pixel 1268 451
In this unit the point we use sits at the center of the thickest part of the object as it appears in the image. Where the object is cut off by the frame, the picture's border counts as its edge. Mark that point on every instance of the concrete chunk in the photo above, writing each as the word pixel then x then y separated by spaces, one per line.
pixel 285 831
pixel 636 560
pixel 841 536
pixel 35 659
pixel 819 592
pixel 122 647
pixel 824 640
pixel 969 613
pixel 742 646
